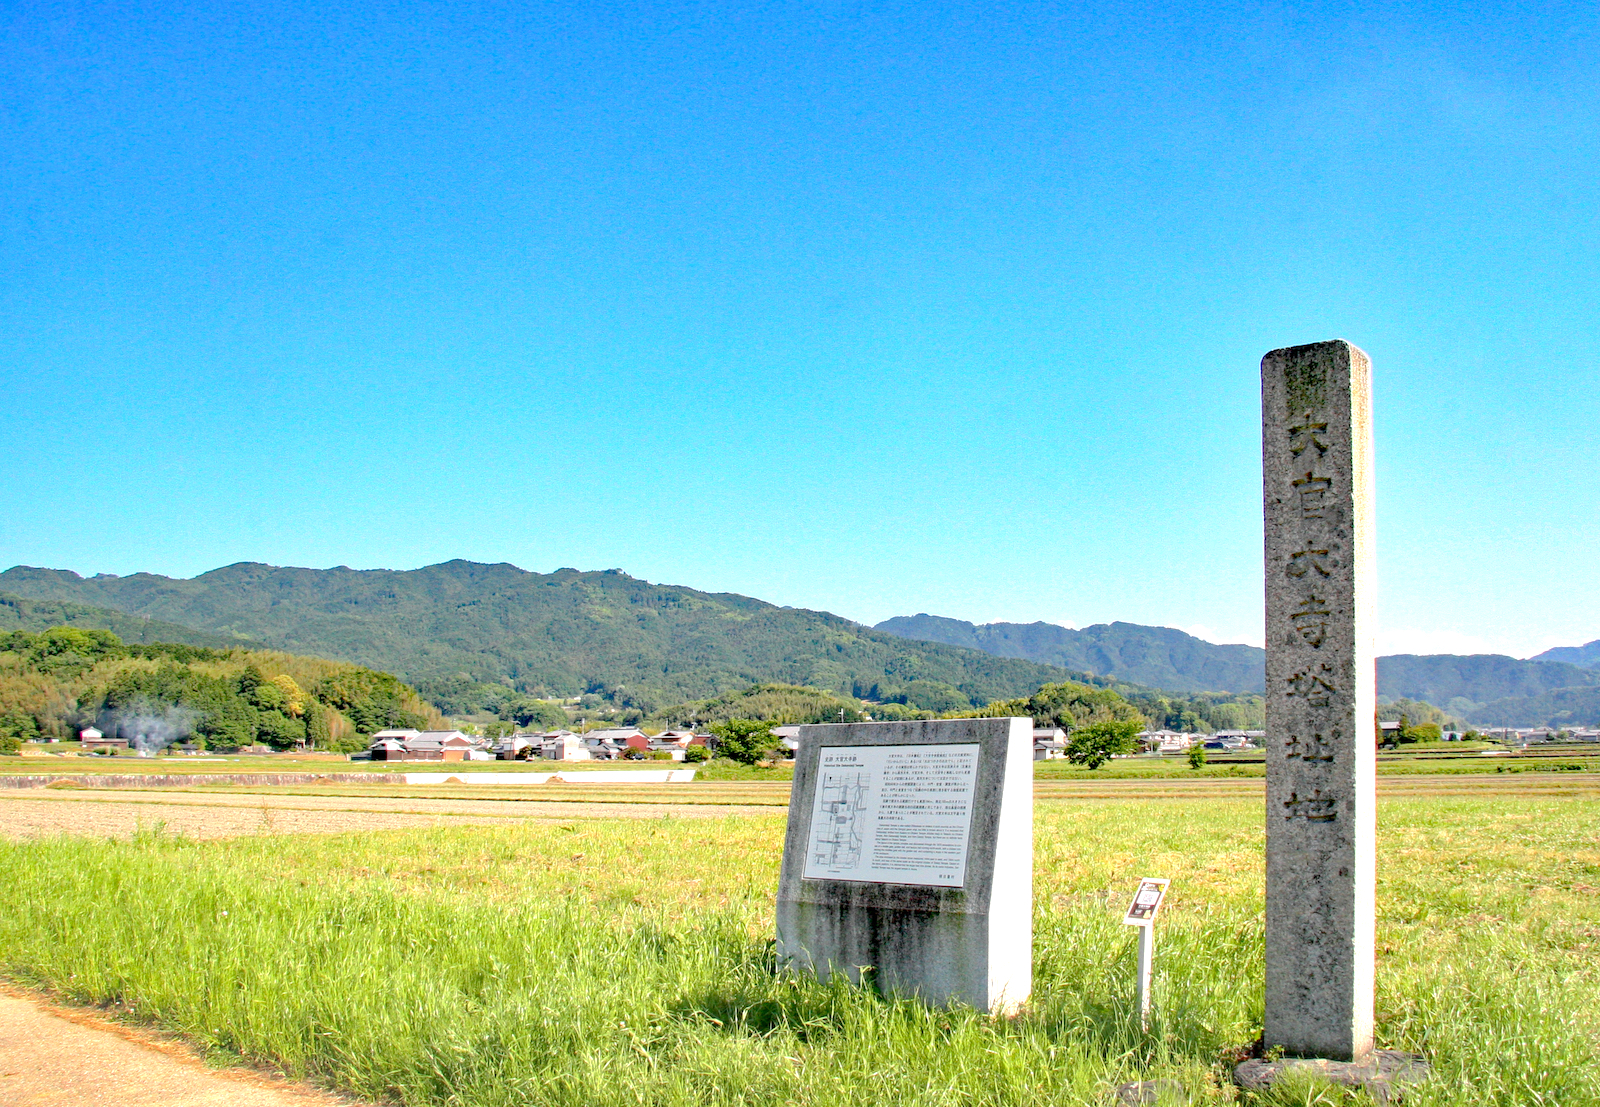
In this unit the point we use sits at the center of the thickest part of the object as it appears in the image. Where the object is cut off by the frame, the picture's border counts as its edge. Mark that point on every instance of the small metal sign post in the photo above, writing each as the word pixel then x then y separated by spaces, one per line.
pixel 1142 913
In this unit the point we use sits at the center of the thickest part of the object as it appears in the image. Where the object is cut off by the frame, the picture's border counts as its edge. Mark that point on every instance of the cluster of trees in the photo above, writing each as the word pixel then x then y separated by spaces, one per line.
pixel 1202 713
pixel 65 678
pixel 1069 705
pixel 462 695
pixel 1100 722
pixel 782 705
pixel 1419 713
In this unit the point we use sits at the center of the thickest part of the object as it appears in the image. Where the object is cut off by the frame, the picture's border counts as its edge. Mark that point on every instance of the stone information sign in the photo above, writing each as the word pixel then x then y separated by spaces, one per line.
pixel 893 814
pixel 1321 753
pixel 909 852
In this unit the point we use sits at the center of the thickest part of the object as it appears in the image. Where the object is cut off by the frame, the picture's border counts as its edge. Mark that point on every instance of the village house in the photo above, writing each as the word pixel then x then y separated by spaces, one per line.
pixel 517 747
pixel 420 745
pixel 788 739
pixel 1168 741
pixel 683 739
pixel 620 738
pixel 93 738
pixel 1049 743
pixel 564 745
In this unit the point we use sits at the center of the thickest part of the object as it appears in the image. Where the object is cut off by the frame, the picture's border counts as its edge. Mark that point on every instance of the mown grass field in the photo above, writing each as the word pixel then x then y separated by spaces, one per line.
pixel 601 961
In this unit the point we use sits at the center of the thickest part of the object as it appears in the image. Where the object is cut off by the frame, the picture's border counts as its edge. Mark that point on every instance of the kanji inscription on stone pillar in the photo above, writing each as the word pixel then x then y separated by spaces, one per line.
pixel 1316 430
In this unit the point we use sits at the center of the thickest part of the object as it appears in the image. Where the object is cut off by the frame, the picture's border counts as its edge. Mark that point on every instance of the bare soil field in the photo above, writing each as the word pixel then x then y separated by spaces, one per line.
pixel 229 811
pixel 124 812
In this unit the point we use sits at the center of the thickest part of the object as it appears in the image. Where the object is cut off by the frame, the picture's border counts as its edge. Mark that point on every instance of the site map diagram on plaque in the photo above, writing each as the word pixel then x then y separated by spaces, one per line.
pixel 892 814
pixel 837 832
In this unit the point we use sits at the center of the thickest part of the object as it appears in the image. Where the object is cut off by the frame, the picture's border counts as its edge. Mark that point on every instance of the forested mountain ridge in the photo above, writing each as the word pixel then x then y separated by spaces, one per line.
pixel 1463 684
pixel 560 633
pixel 17 613
pixel 1158 657
pixel 1586 655
pixel 1489 689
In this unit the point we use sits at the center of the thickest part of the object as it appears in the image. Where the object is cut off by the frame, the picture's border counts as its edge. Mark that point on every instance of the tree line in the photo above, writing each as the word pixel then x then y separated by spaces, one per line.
pixel 61 680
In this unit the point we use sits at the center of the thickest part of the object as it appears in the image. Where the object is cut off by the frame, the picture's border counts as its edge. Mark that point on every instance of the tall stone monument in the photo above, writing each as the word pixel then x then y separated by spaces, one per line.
pixel 909 852
pixel 1321 752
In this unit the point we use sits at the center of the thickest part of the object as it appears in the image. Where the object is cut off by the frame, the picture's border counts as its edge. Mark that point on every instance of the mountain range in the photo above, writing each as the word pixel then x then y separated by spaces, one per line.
pixel 559 634
pixel 17 613
pixel 1490 689
pixel 648 645
pixel 1158 657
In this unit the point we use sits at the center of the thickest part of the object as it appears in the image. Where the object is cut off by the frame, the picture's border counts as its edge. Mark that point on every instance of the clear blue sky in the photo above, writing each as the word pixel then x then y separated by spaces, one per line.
pixel 875 308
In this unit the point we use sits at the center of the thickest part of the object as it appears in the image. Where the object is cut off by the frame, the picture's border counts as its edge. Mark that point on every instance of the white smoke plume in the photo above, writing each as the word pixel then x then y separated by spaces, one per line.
pixel 149 728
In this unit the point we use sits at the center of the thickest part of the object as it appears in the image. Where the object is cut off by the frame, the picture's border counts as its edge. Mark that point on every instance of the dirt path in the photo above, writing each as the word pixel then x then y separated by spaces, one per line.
pixel 58 1057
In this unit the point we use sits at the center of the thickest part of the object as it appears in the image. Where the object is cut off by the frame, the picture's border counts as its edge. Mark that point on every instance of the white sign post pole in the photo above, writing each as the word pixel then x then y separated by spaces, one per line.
pixel 1147 941
pixel 1142 913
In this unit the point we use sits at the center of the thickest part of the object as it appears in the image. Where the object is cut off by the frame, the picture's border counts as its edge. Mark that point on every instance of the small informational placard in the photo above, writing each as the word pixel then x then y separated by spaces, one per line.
pixel 1146 901
pixel 893 814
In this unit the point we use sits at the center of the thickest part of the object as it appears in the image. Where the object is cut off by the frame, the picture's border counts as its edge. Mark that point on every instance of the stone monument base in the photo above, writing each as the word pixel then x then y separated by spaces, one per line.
pixel 1384 1073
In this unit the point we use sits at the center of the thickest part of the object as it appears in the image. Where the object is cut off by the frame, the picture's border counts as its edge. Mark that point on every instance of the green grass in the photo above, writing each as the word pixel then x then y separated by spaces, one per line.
pixel 610 963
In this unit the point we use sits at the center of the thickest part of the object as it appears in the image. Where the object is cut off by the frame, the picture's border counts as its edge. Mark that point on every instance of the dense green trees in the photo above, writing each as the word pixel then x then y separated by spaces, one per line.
pixel 1203 713
pixel 64 678
pixel 1417 712
pixel 461 695
pixel 1068 705
pixel 1093 744
pixel 746 741
pixel 776 704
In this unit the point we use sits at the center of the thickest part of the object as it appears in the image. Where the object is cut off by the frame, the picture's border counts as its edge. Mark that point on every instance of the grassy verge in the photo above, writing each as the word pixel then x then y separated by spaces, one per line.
pixel 598 963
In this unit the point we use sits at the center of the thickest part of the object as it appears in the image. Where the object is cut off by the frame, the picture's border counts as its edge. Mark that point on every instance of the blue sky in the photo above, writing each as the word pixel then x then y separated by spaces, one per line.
pixel 874 308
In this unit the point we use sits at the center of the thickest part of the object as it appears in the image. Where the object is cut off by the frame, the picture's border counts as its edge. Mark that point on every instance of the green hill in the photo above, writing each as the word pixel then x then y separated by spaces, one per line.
pixel 17 613
pixel 560 634
pixel 1561 707
pixel 1485 688
pixel 1586 655
pixel 1157 657
pixel 63 678
pixel 1460 684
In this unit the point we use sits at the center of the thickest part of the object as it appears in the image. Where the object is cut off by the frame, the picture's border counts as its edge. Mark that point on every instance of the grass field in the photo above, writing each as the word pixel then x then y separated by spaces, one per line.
pixel 626 961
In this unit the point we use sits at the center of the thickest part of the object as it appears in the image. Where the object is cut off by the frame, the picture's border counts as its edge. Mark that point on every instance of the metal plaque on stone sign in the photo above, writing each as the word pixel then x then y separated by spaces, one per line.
pixel 893 814
pixel 1146 901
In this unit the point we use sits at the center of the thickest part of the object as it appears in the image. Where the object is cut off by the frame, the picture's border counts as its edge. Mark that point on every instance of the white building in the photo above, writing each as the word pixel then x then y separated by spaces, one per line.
pixel 1169 741
pixel 1049 743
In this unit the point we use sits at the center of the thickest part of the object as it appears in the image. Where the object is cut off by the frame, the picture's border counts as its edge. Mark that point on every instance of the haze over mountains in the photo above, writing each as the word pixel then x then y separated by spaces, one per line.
pixel 648 645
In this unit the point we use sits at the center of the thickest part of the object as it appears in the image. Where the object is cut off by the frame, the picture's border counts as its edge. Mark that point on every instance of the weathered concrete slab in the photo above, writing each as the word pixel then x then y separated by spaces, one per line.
pixel 909 852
